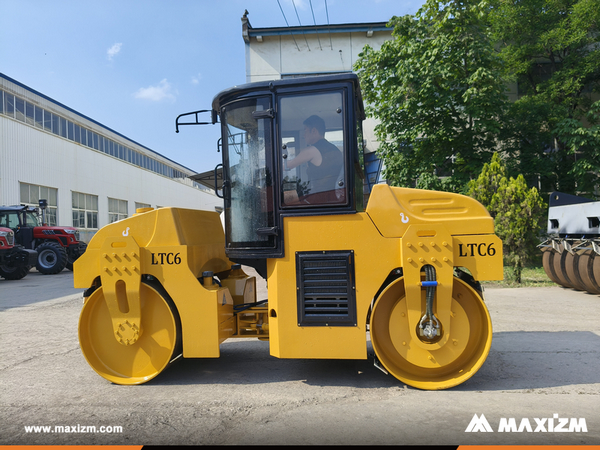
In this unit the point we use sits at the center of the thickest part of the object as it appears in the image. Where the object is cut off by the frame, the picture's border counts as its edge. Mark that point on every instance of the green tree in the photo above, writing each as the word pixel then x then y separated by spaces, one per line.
pixel 551 51
pixel 429 181
pixel 519 217
pixel 518 212
pixel 437 91
pixel 488 182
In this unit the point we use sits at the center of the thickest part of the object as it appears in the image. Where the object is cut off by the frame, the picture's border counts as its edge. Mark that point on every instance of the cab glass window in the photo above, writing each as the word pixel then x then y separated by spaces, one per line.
pixel 9 219
pixel 312 149
pixel 32 219
pixel 249 198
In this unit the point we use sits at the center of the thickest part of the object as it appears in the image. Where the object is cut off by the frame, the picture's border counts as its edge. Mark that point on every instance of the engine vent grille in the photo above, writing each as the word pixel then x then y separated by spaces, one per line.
pixel 326 289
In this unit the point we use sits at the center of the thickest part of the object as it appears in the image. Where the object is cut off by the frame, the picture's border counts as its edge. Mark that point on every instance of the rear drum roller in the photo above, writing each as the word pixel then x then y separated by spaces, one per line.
pixel 158 344
pixel 431 365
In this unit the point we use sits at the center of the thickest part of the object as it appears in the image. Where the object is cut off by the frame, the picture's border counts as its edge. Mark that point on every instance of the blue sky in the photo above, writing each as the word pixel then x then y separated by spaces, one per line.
pixel 134 65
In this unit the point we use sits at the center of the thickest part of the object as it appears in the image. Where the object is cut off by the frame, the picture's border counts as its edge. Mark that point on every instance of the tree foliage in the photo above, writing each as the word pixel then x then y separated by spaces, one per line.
pixel 438 92
pixel 488 182
pixel 438 89
pixel 519 213
pixel 551 52
pixel 583 141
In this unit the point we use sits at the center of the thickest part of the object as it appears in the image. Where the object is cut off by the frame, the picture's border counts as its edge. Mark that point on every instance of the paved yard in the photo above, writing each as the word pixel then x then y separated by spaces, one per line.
pixel 544 366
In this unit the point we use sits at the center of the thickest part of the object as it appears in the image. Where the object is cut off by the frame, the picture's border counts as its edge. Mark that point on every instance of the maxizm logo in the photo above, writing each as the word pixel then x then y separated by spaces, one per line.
pixel 554 424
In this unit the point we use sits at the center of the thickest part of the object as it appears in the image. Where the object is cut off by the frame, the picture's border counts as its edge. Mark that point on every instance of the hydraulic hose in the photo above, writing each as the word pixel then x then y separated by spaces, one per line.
pixel 429 326
pixel 429 289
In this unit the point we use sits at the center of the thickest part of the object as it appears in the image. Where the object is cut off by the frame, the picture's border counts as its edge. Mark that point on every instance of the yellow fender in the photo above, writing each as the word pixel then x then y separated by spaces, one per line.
pixel 148 268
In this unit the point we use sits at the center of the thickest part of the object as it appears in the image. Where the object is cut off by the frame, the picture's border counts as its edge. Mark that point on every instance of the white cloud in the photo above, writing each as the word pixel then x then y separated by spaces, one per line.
pixel 196 79
pixel 300 4
pixel 162 91
pixel 113 51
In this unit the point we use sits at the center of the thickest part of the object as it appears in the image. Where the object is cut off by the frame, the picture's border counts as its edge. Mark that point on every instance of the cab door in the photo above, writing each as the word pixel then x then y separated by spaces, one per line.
pixel 252 225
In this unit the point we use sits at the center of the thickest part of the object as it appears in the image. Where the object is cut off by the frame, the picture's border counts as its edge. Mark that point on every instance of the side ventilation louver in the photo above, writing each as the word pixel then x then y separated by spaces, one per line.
pixel 326 290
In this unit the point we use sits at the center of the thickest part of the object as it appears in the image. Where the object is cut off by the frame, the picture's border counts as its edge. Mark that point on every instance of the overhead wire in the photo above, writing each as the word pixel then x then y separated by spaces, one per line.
pixel 315 22
pixel 288 25
pixel 298 17
pixel 328 29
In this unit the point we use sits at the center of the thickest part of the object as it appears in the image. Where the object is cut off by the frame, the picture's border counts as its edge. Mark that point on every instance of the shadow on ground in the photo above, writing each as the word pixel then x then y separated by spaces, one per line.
pixel 517 361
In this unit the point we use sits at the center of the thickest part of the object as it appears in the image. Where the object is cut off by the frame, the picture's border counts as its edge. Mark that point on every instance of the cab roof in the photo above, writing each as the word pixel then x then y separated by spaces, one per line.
pixel 15 208
pixel 227 95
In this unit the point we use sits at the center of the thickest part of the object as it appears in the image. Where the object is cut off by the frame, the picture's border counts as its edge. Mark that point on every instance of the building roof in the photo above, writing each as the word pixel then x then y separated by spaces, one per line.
pixel 248 31
pixel 95 122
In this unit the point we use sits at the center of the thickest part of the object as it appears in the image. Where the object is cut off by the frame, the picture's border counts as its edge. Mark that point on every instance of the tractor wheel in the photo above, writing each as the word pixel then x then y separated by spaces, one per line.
pixel 431 365
pixel 13 273
pixel 158 344
pixel 52 258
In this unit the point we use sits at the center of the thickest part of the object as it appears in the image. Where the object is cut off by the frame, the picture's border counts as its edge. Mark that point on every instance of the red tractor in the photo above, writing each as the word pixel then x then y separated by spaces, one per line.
pixel 57 247
pixel 15 260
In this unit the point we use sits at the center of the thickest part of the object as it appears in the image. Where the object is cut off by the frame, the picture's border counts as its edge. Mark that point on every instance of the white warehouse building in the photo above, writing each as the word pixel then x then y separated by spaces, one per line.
pixel 89 174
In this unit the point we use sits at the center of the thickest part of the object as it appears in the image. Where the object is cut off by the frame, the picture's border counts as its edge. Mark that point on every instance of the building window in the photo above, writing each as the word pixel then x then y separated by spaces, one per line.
pixel 55 124
pixel 83 136
pixel 70 131
pixel 117 210
pixel 9 104
pixel 39 117
pixel 20 108
pixel 47 121
pixel 63 127
pixel 31 195
pixel 85 210
pixel 29 109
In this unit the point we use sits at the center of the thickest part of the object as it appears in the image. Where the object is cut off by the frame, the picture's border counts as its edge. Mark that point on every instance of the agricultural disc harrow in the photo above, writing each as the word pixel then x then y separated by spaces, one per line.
pixel 571 255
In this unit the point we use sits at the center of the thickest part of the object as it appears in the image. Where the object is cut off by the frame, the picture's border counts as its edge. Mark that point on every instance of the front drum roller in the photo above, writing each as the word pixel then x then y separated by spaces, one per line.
pixel 159 342
pixel 431 365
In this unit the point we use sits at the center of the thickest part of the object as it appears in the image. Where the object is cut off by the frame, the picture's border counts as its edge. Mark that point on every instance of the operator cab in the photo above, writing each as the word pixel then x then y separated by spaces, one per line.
pixel 22 220
pixel 290 147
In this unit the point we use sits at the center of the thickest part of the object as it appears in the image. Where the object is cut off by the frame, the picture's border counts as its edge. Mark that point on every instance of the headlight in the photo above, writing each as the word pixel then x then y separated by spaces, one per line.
pixel 75 233
pixel 10 237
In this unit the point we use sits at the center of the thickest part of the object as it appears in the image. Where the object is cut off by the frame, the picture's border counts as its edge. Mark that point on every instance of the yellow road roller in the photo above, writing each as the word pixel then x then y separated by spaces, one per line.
pixel 402 270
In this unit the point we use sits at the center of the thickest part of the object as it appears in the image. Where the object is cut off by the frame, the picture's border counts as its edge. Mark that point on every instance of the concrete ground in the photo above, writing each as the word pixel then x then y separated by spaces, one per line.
pixel 544 364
